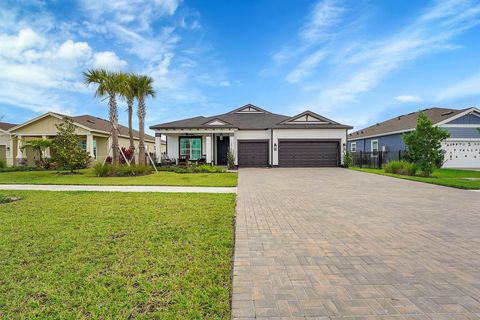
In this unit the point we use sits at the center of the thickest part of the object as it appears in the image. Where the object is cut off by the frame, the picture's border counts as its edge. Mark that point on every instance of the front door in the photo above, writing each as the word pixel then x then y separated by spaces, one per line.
pixel 222 149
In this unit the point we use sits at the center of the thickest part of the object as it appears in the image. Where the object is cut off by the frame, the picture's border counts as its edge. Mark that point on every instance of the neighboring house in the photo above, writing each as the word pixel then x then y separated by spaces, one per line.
pixel 5 139
pixel 94 133
pixel 258 138
pixel 462 148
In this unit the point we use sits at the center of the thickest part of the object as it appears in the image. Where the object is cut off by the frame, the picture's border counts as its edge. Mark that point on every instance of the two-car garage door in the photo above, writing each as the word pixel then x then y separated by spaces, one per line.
pixel 291 153
pixel 308 153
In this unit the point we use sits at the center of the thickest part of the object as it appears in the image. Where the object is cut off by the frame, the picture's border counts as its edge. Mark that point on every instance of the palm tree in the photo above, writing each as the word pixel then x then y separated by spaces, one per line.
pixel 143 89
pixel 108 85
pixel 127 92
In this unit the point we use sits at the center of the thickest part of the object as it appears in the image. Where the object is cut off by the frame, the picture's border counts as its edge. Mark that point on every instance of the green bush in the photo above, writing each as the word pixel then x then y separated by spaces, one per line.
pixel 347 159
pixel 21 168
pixel 401 167
pixel 123 170
pixel 3 164
pixel 193 168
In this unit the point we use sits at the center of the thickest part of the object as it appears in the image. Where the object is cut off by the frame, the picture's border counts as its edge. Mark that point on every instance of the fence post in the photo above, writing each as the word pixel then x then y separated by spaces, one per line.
pixel 361 159
pixel 399 154
pixel 380 159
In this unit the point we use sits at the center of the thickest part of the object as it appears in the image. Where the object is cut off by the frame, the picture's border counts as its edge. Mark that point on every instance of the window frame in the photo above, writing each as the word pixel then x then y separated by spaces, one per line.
pixel 190 153
pixel 352 144
pixel 374 152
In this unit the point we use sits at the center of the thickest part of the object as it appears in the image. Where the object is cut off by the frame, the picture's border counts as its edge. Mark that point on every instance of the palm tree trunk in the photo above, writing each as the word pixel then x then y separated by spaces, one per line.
pixel 141 129
pixel 130 126
pixel 113 112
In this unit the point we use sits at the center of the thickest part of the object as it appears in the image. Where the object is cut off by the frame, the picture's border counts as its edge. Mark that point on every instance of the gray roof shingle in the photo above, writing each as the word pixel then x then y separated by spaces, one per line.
pixel 5 125
pixel 404 122
pixel 248 121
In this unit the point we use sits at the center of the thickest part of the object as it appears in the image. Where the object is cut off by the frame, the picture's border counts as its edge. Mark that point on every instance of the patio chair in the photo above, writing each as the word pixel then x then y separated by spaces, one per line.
pixel 165 160
pixel 202 160
pixel 183 160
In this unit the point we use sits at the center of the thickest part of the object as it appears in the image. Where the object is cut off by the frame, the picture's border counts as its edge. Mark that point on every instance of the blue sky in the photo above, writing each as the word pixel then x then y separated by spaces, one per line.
pixel 358 62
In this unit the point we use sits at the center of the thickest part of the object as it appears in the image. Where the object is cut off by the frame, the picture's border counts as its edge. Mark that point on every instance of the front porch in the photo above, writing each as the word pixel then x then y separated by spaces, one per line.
pixel 95 145
pixel 211 145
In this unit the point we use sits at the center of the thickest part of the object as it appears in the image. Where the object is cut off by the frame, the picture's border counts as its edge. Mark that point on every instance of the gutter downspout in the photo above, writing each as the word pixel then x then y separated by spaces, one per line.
pixel 271 148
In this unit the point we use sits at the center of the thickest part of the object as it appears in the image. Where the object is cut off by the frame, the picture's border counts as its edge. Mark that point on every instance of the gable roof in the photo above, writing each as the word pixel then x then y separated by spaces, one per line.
pixel 88 122
pixel 406 122
pixel 254 118
pixel 5 126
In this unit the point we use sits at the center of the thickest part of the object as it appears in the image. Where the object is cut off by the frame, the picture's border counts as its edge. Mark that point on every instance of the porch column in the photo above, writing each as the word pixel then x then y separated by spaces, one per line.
pixel 158 147
pixel 47 150
pixel 232 144
pixel 19 148
pixel 90 145
pixel 208 146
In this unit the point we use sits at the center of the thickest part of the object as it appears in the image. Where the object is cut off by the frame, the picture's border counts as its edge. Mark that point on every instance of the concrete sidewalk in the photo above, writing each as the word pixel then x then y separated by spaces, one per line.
pixel 44 187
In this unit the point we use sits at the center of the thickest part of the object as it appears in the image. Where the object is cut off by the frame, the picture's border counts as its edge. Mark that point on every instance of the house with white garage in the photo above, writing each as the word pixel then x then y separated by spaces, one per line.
pixel 6 152
pixel 257 138
pixel 462 149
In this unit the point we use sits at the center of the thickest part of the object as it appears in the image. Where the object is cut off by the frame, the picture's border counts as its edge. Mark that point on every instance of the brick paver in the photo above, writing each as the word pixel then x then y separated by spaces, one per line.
pixel 340 244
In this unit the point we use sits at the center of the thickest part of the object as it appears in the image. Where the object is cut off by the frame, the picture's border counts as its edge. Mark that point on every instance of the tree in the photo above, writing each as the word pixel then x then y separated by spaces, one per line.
pixel 109 84
pixel 69 154
pixel 39 145
pixel 143 89
pixel 424 145
pixel 127 92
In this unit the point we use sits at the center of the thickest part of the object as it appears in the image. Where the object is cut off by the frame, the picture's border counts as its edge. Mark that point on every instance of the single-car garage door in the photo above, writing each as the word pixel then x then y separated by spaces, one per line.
pixel 252 153
pixel 308 153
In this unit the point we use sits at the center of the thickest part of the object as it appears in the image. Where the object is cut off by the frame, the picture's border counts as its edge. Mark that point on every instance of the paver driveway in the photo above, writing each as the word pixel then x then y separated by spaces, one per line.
pixel 335 243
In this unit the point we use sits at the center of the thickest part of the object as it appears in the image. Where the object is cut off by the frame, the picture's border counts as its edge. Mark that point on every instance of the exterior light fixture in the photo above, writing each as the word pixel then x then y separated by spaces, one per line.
pixel 275 147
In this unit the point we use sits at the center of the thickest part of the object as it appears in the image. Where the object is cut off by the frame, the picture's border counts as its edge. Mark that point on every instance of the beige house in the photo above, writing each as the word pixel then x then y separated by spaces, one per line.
pixel 5 147
pixel 94 133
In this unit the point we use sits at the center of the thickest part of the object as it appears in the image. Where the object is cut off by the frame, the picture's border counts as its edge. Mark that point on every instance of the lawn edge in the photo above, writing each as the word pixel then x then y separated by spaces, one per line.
pixel 409 179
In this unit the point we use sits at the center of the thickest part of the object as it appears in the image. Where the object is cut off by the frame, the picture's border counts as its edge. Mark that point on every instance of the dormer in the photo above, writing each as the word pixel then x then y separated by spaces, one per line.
pixel 308 117
pixel 249 108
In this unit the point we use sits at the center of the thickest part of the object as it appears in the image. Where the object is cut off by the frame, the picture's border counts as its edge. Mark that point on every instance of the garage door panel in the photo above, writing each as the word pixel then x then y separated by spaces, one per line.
pixel 253 153
pixel 308 153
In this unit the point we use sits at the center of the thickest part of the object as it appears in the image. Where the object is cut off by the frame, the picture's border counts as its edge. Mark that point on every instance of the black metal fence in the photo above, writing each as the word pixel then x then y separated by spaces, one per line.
pixel 375 160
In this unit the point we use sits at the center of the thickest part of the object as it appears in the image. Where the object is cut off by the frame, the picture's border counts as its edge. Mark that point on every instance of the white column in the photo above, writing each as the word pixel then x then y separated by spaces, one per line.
pixel 158 147
pixel 232 144
pixel 47 150
pixel 19 148
pixel 208 147
pixel 90 145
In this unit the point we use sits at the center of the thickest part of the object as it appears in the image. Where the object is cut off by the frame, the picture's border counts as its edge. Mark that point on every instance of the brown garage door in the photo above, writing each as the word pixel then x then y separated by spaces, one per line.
pixel 252 153
pixel 308 153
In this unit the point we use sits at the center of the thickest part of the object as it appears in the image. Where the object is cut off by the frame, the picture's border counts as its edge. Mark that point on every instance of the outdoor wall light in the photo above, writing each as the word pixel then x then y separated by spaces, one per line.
pixel 221 136
pixel 275 146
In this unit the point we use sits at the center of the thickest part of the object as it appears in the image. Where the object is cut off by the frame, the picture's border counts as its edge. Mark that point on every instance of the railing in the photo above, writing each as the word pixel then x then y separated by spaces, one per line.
pixel 376 159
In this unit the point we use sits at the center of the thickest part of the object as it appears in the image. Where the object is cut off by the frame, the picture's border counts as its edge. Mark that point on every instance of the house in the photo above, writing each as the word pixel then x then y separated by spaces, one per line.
pixel 257 138
pixel 94 133
pixel 5 149
pixel 462 148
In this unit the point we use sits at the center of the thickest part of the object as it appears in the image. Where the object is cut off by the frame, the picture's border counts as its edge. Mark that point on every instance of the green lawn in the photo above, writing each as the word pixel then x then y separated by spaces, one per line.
pixel 87 177
pixel 87 255
pixel 444 177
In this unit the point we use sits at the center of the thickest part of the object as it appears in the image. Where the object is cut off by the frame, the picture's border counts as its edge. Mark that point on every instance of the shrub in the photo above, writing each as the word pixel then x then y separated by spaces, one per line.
pixel 347 159
pixel 230 159
pixel 401 167
pixel 193 168
pixel 3 164
pixel 70 155
pixel 123 170
pixel 22 168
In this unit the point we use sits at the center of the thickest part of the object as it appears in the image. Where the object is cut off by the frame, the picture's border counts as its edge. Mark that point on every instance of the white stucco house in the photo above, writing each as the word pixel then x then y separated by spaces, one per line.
pixel 257 137
pixel 6 150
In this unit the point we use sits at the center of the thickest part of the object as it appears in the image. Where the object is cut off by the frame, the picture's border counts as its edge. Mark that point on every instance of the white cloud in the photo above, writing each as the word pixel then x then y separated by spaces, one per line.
pixel 374 61
pixel 305 67
pixel 12 46
pixel 136 14
pixel 225 84
pixel 70 50
pixel 325 14
pixel 408 98
pixel 468 87
pixel 108 60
